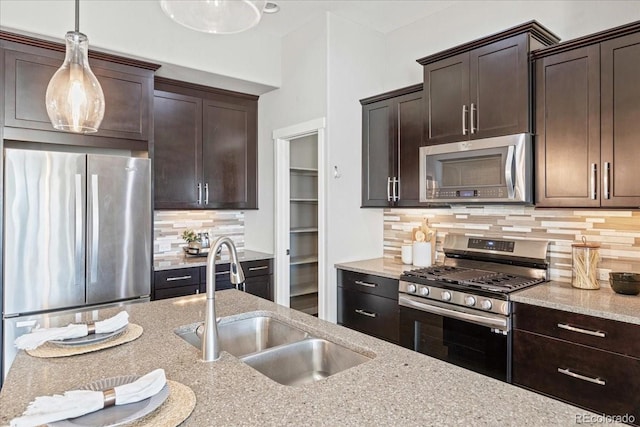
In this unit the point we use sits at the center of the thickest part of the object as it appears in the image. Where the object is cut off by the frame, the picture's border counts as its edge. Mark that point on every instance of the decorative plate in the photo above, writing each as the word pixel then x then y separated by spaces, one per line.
pixel 89 339
pixel 119 414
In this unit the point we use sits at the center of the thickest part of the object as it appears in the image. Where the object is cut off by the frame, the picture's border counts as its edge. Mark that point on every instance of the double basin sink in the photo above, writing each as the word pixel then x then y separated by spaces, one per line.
pixel 282 352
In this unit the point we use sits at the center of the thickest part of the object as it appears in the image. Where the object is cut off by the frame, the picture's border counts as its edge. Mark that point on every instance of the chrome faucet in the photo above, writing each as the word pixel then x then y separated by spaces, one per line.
pixel 210 343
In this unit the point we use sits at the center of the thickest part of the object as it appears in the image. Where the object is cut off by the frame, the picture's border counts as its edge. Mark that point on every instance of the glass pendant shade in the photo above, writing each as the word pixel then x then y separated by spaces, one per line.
pixel 215 16
pixel 74 100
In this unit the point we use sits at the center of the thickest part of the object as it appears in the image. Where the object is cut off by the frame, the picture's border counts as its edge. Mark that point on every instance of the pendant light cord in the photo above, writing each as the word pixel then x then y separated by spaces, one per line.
pixel 77 16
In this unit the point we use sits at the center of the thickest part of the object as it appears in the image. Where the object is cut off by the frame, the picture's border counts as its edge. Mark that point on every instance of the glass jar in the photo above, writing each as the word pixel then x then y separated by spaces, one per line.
pixel 585 265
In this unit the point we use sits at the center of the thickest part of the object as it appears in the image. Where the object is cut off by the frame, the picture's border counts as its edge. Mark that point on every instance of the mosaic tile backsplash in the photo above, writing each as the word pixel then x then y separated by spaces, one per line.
pixel 169 225
pixel 618 232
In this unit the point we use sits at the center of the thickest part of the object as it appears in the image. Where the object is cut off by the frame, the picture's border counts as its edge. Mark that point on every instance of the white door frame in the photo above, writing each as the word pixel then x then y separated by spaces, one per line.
pixel 281 138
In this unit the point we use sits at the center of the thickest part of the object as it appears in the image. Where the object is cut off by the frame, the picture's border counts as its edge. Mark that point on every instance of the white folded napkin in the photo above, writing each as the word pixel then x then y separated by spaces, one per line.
pixel 75 403
pixel 39 336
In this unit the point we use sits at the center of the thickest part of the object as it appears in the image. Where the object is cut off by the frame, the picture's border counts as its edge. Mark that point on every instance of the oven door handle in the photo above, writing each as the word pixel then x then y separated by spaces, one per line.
pixel 498 323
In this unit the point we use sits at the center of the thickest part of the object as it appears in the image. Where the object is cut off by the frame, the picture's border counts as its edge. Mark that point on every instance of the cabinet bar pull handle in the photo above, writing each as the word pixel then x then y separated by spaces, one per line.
pixel 398 188
pixel 388 189
pixel 580 330
pixel 199 193
pixel 581 377
pixel 464 119
pixel 206 193
pixel 594 179
pixel 605 176
pixel 264 267
pixel 365 313
pixel 171 279
pixel 395 194
pixel 219 273
pixel 473 108
pixel 368 285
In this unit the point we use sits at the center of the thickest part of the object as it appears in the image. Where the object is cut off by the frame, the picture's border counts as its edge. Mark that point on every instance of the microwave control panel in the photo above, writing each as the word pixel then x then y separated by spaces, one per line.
pixel 470 194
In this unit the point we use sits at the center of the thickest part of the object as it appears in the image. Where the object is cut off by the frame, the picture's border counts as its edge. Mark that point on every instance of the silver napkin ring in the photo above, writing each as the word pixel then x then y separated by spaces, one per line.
pixel 109 397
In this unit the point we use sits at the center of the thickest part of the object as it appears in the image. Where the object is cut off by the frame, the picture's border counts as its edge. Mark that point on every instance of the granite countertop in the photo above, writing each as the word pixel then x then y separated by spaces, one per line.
pixel 384 267
pixel 170 262
pixel 601 302
pixel 396 387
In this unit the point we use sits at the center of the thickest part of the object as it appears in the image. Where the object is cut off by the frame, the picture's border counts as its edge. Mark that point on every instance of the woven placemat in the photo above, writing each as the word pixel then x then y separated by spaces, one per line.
pixel 48 349
pixel 173 411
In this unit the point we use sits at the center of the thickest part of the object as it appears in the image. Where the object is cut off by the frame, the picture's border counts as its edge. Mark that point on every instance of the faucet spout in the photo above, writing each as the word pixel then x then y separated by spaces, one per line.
pixel 210 342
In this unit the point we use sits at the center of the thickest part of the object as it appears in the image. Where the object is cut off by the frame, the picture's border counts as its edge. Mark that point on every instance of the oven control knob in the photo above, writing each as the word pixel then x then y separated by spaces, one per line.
pixel 486 304
pixel 469 300
pixel 411 289
pixel 446 296
pixel 424 292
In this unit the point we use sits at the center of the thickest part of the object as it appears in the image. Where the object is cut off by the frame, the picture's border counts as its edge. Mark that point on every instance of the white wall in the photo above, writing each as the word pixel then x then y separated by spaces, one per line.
pixel 141 29
pixel 301 98
pixel 469 20
pixel 355 64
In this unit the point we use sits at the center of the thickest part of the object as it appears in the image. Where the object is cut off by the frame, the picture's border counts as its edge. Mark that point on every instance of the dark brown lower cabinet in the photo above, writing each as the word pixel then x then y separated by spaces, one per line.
pixel 369 304
pixel 192 280
pixel 604 381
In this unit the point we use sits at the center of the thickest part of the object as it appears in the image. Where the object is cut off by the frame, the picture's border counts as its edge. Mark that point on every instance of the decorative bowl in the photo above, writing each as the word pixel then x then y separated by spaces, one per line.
pixel 625 283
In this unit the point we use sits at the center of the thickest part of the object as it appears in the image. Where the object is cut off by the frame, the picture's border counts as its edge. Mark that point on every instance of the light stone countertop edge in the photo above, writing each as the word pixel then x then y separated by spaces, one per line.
pixel 172 262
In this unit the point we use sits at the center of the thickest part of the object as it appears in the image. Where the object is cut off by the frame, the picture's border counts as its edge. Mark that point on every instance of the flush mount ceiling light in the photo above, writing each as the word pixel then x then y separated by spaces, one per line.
pixel 215 16
pixel 74 98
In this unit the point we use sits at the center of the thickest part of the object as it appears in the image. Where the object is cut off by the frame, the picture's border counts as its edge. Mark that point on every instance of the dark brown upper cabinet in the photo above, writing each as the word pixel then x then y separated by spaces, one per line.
pixel 391 136
pixel 127 84
pixel 205 149
pixel 481 89
pixel 587 110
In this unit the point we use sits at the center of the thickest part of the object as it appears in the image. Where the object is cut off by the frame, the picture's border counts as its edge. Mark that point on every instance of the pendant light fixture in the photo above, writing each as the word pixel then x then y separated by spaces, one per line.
pixel 215 16
pixel 74 100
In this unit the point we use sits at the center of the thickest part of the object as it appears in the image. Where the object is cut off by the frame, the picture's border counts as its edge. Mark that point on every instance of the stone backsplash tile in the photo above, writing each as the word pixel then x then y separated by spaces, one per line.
pixel 169 225
pixel 618 232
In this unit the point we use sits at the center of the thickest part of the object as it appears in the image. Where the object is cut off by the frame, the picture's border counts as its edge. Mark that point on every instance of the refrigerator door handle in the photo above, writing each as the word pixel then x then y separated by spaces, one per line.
pixel 79 220
pixel 95 227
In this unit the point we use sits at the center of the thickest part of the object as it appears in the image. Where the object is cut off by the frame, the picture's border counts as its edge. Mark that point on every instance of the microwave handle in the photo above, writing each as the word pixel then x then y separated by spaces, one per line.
pixel 508 167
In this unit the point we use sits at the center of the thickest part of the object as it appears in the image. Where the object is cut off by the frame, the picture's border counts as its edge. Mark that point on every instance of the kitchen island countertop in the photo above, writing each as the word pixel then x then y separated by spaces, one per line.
pixel 396 387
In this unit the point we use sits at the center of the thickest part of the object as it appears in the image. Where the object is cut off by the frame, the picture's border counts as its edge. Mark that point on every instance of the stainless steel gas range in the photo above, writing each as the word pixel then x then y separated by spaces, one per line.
pixel 460 311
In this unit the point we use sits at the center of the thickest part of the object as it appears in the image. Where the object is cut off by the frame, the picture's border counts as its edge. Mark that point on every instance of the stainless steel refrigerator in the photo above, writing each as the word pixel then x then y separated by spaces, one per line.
pixel 77 234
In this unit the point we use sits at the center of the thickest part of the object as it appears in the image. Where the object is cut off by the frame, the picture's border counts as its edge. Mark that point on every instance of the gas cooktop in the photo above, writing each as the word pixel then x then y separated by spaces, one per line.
pixel 475 278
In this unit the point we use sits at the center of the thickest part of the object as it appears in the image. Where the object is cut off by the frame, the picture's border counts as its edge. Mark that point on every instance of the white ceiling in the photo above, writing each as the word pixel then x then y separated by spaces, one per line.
pixel 381 15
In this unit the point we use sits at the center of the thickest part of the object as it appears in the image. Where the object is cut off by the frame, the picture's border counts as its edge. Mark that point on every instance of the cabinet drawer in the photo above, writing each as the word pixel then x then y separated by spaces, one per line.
pixel 368 313
pixel 176 278
pixel 176 292
pixel 258 267
pixel 593 379
pixel 368 283
pixel 610 335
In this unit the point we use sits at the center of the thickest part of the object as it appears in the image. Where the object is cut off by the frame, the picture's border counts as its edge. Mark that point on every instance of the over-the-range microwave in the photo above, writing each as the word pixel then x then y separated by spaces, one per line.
pixel 491 170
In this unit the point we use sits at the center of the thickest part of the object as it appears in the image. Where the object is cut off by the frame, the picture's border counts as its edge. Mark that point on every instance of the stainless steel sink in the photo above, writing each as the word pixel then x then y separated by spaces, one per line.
pixel 246 336
pixel 304 362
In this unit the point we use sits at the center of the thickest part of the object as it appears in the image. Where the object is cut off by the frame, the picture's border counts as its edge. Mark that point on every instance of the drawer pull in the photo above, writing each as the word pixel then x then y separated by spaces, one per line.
pixel 580 330
pixel 365 313
pixel 581 377
pixel 368 285
pixel 264 267
pixel 173 279
pixel 219 273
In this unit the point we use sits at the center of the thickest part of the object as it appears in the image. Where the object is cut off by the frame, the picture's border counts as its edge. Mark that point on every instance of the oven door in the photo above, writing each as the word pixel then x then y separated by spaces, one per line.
pixel 479 342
